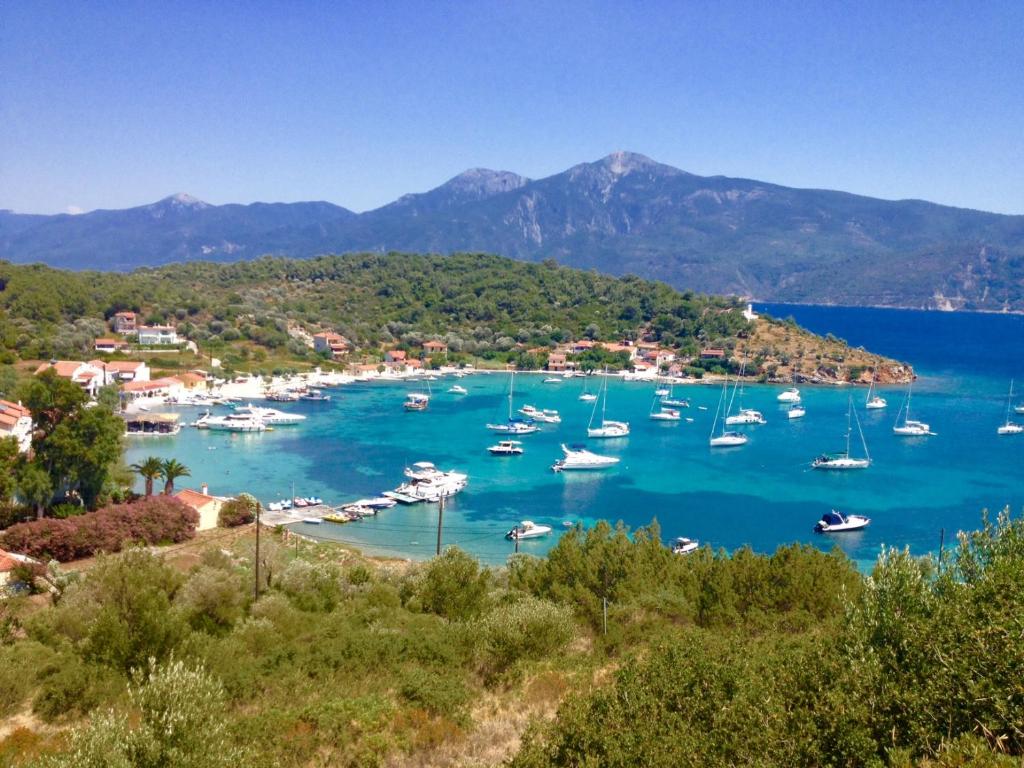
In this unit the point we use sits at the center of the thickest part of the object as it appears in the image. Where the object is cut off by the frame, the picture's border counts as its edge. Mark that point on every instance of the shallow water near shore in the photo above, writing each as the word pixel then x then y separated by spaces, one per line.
pixel 763 494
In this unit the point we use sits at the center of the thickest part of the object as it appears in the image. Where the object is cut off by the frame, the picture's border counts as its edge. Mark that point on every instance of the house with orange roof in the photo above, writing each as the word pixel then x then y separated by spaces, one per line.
pixel 86 375
pixel 109 345
pixel 556 361
pixel 124 322
pixel 16 422
pixel 335 343
pixel 202 502
pixel 168 387
pixel 122 370
pixel 395 356
pixel 435 347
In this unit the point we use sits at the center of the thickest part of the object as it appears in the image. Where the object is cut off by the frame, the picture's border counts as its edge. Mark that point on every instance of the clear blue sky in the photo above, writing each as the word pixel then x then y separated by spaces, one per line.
pixel 109 105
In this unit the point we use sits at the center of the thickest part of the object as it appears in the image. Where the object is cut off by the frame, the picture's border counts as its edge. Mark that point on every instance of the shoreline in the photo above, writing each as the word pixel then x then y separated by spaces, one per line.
pixel 1008 312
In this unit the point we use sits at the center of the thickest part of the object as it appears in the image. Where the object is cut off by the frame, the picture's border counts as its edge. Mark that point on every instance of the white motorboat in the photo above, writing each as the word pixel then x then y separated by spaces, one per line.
pixel 665 414
pixel 416 401
pixel 1018 409
pixel 874 402
pixel 578 457
pixel 1009 428
pixel 272 416
pixel 378 502
pixel 528 530
pixel 843 460
pixel 724 439
pixel 791 395
pixel 607 428
pixel 458 389
pixel 507 448
pixel 661 392
pixel 427 483
pixel 313 520
pixel 546 416
pixel 745 416
pixel 314 395
pixel 837 522
pixel 796 412
pixel 910 427
pixel 588 397
pixel 684 546
pixel 552 380
pixel 232 422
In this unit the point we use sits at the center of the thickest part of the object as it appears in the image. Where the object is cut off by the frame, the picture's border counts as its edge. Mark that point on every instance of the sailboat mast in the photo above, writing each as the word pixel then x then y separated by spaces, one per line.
pixel 511 385
pixel 863 440
pixel 604 401
pixel 1009 400
pixel 849 426
pixel 718 410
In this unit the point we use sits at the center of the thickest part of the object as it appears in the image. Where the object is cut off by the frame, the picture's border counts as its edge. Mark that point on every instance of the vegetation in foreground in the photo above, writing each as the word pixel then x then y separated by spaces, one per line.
pixel 713 660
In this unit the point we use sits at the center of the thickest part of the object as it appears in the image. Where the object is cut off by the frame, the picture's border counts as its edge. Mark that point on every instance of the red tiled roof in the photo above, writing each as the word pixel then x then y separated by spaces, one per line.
pixel 63 368
pixel 194 499
pixel 146 386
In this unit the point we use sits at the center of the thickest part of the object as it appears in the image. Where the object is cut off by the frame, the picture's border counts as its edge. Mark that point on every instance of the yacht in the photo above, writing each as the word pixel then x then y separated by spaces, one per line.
pixel 909 427
pixel 232 422
pixel 837 522
pixel 427 483
pixel 724 439
pixel 514 425
pixel 791 395
pixel 458 389
pixel 746 416
pixel 607 428
pixel 528 530
pixel 874 402
pixel 578 457
pixel 843 460
pixel 507 448
pixel 271 416
pixel 416 401
pixel 684 546
pixel 796 412
pixel 1009 428
pixel 546 416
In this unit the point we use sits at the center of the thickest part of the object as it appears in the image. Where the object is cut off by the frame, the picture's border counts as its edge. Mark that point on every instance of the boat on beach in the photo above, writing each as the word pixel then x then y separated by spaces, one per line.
pixel 837 522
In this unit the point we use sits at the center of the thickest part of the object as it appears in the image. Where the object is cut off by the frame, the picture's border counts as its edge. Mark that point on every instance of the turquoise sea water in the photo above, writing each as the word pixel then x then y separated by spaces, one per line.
pixel 763 494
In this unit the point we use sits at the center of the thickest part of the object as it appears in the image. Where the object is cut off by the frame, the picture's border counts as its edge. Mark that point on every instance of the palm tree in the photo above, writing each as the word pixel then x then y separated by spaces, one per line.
pixel 171 470
pixel 150 469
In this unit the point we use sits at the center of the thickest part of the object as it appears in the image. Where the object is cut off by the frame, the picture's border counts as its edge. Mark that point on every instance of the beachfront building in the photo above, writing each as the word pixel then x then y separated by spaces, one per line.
pixel 119 371
pixel 334 343
pixel 88 376
pixel 16 422
pixel 109 345
pixel 395 356
pixel 556 361
pixel 124 322
pixel 146 424
pixel 434 347
pixel 202 502
pixel 157 335
pixel 168 387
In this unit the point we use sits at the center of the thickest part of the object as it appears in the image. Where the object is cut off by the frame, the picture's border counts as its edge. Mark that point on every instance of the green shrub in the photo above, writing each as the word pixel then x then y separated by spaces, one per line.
pixel 452 585
pixel 238 511
pixel 439 693
pixel 311 586
pixel 523 628
pixel 212 599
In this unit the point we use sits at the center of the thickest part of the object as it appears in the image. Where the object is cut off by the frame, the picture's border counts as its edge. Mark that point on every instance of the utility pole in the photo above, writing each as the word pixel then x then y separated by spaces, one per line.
pixel 515 537
pixel 440 518
pixel 256 586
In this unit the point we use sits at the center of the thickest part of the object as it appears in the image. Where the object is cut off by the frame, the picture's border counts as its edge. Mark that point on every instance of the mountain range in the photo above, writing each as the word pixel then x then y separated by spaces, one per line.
pixel 623 214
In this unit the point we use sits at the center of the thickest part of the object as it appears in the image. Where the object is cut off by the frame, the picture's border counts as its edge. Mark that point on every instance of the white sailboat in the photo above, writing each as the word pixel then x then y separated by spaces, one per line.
pixel 744 415
pixel 725 439
pixel 607 428
pixel 586 395
pixel 875 401
pixel 1009 428
pixel 672 401
pixel 840 461
pixel 910 427
pixel 514 425
pixel 791 395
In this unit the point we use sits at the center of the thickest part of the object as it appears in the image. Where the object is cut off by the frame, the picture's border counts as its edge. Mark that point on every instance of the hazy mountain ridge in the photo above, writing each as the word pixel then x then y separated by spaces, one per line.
pixel 622 214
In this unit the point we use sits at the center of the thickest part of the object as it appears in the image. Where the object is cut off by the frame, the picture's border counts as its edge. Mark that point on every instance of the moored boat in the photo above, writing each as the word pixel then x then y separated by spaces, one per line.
pixel 506 448
pixel 837 522
pixel 843 460
pixel 528 530
pixel 579 458
pixel 681 545
pixel 791 395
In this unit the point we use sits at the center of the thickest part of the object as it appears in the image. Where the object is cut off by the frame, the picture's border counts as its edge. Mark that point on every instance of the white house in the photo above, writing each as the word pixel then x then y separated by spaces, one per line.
pixel 157 334
pixel 16 422
pixel 88 376
pixel 749 313
pixel 167 388
pixel 123 370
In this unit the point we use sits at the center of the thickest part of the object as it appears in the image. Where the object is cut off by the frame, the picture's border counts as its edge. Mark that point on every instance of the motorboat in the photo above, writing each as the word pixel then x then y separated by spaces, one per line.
pixel 607 428
pixel 283 397
pixel 313 520
pixel 552 380
pixel 546 416
pixel 314 396
pixel 837 522
pixel 416 401
pixel 427 483
pixel 272 416
pixel 589 397
pixel 1009 428
pixel 528 530
pixel 232 422
pixel 378 502
pixel 791 395
pixel 458 389
pixel 843 460
pixel 578 458
pixel 684 546
pixel 665 414
pixel 661 392
pixel 745 416
pixel 507 448
pixel 796 412
pixel 909 427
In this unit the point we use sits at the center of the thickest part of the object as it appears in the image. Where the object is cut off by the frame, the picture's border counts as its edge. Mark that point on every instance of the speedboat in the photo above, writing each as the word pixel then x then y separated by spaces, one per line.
pixel 416 401
pixel 589 397
pixel 552 380
pixel 728 440
pixel 458 389
pixel 796 412
pixel 378 502
pixel 233 422
pixel 579 457
pixel 665 414
pixel 791 395
pixel 528 530
pixel 547 416
pixel 507 448
pixel 271 416
pixel 746 416
pixel 837 522
pixel 684 546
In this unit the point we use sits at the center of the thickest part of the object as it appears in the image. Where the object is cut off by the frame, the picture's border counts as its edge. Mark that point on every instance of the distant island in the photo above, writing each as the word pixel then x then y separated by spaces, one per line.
pixel 398 312
pixel 623 214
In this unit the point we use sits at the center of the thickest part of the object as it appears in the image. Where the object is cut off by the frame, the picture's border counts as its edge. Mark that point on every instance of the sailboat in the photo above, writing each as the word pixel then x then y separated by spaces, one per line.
pixel 607 427
pixel 844 460
pixel 671 400
pixel 514 425
pixel 745 415
pixel 910 427
pixel 875 402
pixel 725 439
pixel 586 395
pixel 1009 428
